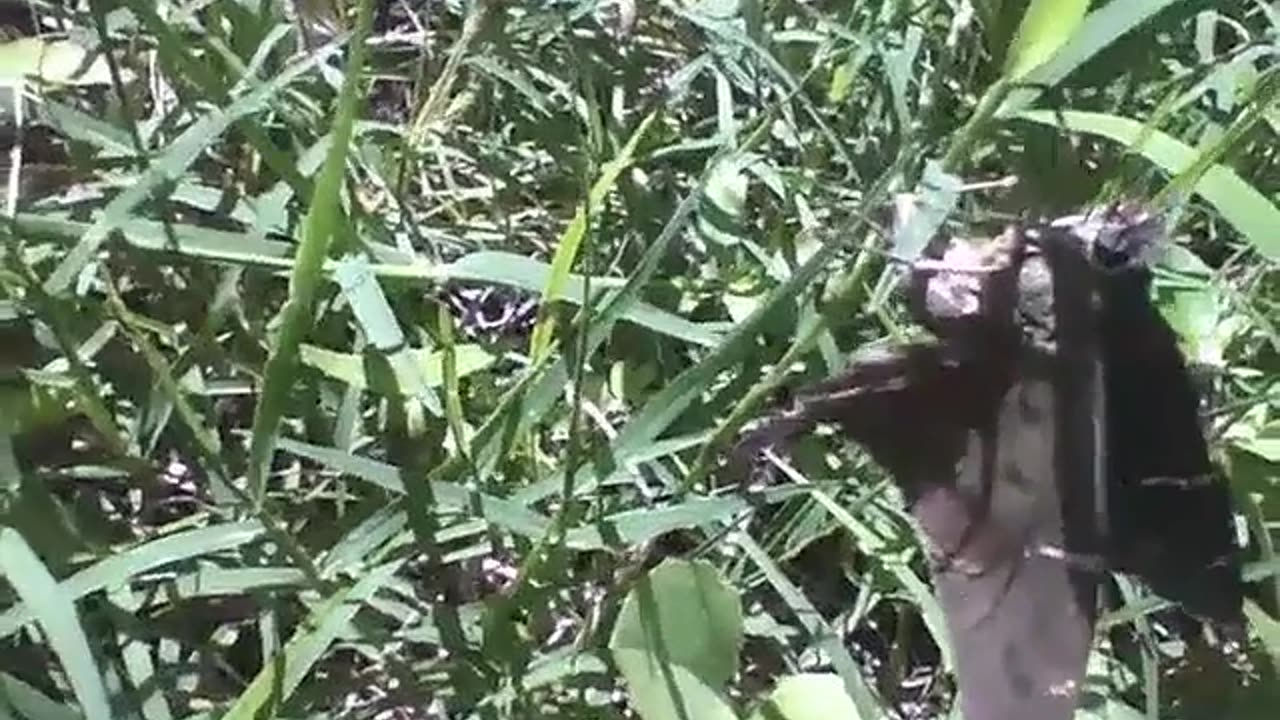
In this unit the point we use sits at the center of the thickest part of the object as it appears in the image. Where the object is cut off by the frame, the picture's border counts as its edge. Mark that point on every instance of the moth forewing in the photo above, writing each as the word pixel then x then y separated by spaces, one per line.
pixel 1018 581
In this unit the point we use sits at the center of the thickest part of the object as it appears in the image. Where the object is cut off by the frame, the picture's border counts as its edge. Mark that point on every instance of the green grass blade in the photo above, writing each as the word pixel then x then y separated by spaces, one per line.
pixel 1046 26
pixel 170 167
pixel 1248 210
pixel 571 240
pixel 30 703
pixel 282 674
pixel 324 217
pixel 1100 29
pixel 819 630
pixel 121 566
pixel 221 246
pixel 56 614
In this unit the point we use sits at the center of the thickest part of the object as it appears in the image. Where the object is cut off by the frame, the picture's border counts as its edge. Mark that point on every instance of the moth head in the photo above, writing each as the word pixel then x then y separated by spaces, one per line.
pixel 1115 238
pixel 1015 287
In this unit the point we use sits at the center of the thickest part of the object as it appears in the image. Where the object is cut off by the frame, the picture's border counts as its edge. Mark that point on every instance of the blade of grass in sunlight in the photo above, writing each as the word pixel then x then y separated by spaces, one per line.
pixel 571 239
pixel 324 219
pixel 1046 26
pixel 170 166
pixel 1252 214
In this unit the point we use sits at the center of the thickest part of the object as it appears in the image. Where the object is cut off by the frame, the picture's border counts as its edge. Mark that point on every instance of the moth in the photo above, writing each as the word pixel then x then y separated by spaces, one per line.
pixel 1048 433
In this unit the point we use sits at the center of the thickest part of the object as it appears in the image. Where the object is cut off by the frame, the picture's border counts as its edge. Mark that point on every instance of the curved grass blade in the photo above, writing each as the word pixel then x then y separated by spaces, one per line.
pixel 55 611
pixel 1045 27
pixel 1240 204
pixel 246 249
pixel 170 167
pixel 30 703
pixel 349 368
pixel 118 568
pixel 1100 29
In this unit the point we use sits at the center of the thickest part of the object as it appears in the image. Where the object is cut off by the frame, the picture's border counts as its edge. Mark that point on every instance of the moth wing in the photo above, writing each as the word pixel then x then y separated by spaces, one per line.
pixel 896 402
pixel 1019 602
pixel 974 452
pixel 909 407
pixel 1173 512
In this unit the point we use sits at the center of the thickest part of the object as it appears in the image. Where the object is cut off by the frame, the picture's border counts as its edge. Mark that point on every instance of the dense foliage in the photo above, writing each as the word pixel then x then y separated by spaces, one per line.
pixel 377 358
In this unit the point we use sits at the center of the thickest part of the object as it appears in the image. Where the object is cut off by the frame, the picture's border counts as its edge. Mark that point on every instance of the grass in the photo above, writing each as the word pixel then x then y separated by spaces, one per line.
pixel 270 471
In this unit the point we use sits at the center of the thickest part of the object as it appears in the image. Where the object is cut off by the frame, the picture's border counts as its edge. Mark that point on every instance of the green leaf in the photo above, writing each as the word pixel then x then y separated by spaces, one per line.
pixel 676 641
pixel 1100 29
pixel 1265 444
pixel 684 612
pixel 811 696
pixel 661 691
pixel 1240 204
pixel 1046 26
pixel 123 565
pixel 55 611
pixel 350 368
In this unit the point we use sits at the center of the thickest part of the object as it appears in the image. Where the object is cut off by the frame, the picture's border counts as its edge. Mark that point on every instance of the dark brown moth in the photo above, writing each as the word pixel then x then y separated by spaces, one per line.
pixel 1048 433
